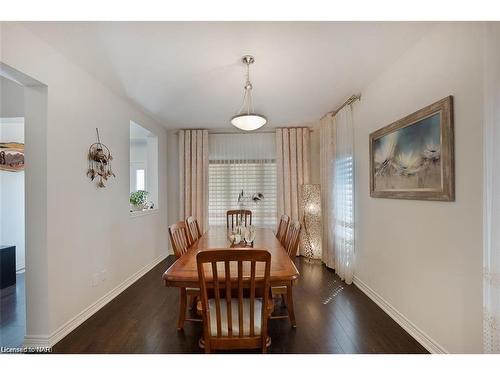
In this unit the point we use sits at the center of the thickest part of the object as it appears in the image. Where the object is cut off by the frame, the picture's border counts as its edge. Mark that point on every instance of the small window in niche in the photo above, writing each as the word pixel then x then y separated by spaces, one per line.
pixel 139 179
pixel 143 169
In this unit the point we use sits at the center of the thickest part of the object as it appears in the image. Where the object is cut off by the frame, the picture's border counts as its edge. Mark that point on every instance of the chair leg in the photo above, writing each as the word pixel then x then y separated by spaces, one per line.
pixel 192 302
pixel 283 300
pixel 289 304
pixel 182 309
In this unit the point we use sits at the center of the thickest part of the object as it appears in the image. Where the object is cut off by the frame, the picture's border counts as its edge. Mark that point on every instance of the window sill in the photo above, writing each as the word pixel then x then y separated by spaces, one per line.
pixel 143 212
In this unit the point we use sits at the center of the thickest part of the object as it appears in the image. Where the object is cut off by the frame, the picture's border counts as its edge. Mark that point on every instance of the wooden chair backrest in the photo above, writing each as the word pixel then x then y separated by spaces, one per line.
pixel 282 228
pixel 179 238
pixel 226 281
pixel 193 229
pixel 238 217
pixel 292 238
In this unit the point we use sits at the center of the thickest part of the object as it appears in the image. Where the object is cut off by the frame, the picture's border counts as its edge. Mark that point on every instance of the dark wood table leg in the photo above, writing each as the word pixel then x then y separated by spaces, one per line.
pixel 289 304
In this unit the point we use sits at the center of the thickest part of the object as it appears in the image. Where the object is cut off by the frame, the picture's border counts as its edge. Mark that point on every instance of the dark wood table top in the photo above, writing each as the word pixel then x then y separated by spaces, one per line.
pixel 184 272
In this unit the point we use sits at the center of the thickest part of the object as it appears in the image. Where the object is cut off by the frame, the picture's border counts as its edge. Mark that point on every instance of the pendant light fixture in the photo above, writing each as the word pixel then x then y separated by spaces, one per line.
pixel 247 119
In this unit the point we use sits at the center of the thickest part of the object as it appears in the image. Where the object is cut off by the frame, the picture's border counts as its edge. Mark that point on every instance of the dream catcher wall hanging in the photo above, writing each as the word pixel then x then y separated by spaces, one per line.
pixel 99 162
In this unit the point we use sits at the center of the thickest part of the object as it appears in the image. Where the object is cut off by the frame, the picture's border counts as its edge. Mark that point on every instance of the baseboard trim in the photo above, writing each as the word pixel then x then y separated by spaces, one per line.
pixel 424 339
pixel 70 325
pixel 34 341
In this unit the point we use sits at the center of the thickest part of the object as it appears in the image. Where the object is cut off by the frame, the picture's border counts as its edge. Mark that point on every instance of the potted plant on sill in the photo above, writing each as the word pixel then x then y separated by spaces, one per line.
pixel 138 200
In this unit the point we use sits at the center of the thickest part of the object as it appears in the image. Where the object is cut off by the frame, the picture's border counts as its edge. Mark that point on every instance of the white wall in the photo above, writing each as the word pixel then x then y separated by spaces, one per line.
pixel 138 151
pixel 11 98
pixel 89 230
pixel 152 166
pixel 425 258
pixel 12 193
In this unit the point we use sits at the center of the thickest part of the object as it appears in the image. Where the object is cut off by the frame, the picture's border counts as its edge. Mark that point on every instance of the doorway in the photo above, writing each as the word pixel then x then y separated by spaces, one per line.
pixel 23 100
pixel 12 219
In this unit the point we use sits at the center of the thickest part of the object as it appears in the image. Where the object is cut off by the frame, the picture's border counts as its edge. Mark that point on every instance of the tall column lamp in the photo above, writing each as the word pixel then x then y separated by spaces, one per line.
pixel 311 220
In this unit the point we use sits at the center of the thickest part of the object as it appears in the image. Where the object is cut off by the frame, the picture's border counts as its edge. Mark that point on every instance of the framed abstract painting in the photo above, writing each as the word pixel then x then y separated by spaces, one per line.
pixel 413 158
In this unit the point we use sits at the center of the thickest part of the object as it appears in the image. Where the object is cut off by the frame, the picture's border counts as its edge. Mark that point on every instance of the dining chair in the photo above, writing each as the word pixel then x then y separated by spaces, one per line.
pixel 282 228
pixel 179 238
pixel 180 242
pixel 292 238
pixel 193 229
pixel 285 292
pixel 235 218
pixel 239 322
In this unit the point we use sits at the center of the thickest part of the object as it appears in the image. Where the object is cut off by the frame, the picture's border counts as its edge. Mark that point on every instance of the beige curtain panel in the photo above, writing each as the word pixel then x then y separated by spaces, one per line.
pixel 337 185
pixel 193 168
pixel 327 175
pixel 292 161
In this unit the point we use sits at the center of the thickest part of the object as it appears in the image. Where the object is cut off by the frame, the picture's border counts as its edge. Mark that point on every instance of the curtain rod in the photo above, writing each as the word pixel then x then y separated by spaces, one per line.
pixel 351 100
pixel 227 132
pixel 273 131
pixel 237 132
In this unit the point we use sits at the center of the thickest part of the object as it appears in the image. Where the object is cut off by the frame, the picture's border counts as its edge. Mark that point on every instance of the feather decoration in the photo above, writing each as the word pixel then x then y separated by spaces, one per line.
pixel 99 158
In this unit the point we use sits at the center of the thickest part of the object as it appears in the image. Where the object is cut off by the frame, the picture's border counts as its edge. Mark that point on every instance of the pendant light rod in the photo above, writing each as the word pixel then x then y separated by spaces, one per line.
pixel 248 119
pixel 247 97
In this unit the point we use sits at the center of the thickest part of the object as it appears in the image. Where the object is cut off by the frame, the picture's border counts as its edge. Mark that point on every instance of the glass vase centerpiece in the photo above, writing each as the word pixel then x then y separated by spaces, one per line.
pixel 236 235
pixel 249 235
pixel 242 236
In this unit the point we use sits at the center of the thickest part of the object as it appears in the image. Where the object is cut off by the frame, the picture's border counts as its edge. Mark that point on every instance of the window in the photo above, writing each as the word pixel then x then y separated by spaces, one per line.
pixel 226 180
pixel 344 193
pixel 140 183
pixel 242 161
pixel 143 166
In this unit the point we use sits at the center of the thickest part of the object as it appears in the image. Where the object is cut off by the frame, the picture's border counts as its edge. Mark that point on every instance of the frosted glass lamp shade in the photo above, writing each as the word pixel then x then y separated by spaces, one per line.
pixel 248 122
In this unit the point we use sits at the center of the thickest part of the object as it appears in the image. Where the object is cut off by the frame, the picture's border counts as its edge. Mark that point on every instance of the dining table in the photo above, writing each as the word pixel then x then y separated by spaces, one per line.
pixel 183 272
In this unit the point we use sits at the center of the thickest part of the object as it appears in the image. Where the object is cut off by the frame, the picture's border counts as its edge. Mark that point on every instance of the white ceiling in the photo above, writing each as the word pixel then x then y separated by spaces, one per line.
pixel 189 74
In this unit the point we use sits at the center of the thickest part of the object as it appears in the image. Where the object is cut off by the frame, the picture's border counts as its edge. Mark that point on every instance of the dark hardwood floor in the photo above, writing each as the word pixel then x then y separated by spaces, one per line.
pixel 13 314
pixel 332 317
